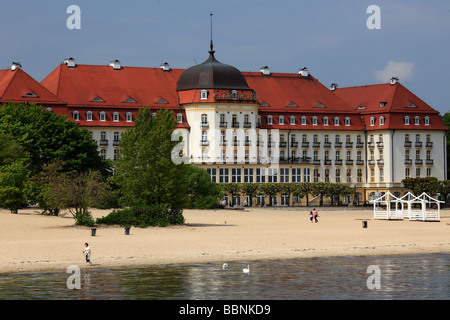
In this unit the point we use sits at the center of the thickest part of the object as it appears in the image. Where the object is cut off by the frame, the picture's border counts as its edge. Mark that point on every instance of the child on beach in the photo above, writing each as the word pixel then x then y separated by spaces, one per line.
pixel 87 253
pixel 315 215
pixel 311 216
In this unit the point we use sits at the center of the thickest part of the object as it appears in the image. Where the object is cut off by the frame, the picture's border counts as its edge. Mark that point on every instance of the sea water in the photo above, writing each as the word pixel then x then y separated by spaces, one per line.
pixel 400 277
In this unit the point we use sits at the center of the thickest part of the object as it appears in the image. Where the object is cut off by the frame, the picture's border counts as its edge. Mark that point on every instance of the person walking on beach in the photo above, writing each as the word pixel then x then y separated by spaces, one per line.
pixel 311 216
pixel 87 253
pixel 315 215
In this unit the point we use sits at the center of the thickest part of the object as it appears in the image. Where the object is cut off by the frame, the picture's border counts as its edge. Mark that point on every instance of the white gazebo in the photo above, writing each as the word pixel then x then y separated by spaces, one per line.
pixel 382 207
pixel 422 213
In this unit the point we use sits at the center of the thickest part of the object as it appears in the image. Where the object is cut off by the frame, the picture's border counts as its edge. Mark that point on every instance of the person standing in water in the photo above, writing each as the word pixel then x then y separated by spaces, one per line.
pixel 87 253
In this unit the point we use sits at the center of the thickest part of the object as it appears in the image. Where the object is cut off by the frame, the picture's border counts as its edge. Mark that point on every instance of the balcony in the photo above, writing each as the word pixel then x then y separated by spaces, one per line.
pixel 247 143
pixel 408 144
pixel 429 144
pixel 316 144
pixel 418 161
pixel 380 162
pixel 418 144
pixel 235 124
pixel 294 144
pixel 283 144
pixel 116 143
pixel 371 162
pixel 408 161
pixel 360 144
pixel 338 144
pixel 327 144
pixel 380 144
pixel 370 144
pixel 302 160
pixel 338 162
pixel 327 162
pixel 204 143
pixel 223 124
pixel 349 144
pixel 316 162
pixel 359 162
pixel 247 125
pixel 204 125
pixel 103 142
pixel 349 162
pixel 429 161
pixel 305 144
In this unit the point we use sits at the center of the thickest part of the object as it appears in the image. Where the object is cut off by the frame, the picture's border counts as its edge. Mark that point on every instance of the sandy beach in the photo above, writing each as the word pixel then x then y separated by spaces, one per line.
pixel 32 242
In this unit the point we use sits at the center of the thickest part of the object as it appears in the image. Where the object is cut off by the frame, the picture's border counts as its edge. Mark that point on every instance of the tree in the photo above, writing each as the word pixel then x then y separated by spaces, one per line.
pixel 145 171
pixel 13 178
pixel 250 189
pixel 202 192
pixel 10 150
pixel 45 136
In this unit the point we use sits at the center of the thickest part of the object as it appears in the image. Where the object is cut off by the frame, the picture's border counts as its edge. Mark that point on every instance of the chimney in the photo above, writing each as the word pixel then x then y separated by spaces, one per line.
pixel 333 86
pixel 265 70
pixel 394 80
pixel 165 66
pixel 70 62
pixel 15 65
pixel 303 72
pixel 115 64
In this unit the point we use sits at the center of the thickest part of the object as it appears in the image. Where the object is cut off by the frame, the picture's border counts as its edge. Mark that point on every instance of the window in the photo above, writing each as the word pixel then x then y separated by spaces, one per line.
pixel 336 121
pixel 407 173
pixel 372 121
pixel 306 174
pixel 417 137
pixel 116 154
pixel 204 137
pixel 349 175
pixel 349 155
pixel 338 155
pixel 129 117
pixel 284 175
pixel 315 155
pixel 347 121
pixel 325 121
pixel 358 156
pixel 296 175
pixel 303 121
pixel 327 175
pixel 426 120
pixel 248 175
pixel 116 136
pixel 236 175
pixel 316 175
pixel 179 118
pixel 406 154
pixel 223 175
pixel 406 120
pixel 260 175
pixel 103 154
pixel 417 154
pixel 338 175
pixel 115 116
pixel 416 120
pixel 292 120
pixel 428 172
pixel 337 138
pixel 246 120
pixel 102 115
pixel 213 173
pixel 326 140
pixel 315 138
pixel 314 121
pixel 381 175
pixel 359 175
pixel 203 94
pixel 204 119
pixel 103 136
pixel 418 173
pixel 76 116
pixel 281 120
pixel 273 173
pixel 88 115
pixel 382 120
pixel 269 120
pixel 372 175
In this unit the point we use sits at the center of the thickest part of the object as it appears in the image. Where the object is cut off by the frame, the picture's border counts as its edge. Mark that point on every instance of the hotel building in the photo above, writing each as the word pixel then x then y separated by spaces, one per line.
pixel 254 126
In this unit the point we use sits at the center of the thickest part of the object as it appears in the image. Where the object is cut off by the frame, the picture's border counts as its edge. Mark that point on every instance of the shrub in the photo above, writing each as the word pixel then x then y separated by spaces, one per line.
pixel 85 219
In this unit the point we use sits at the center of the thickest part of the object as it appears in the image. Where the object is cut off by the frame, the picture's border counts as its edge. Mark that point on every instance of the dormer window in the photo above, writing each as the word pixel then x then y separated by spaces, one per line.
pixel 372 121
pixel 347 121
pixel 30 95
pixel 314 121
pixel 426 120
pixel 303 121
pixel 406 120
pixel 382 104
pixel 382 119
pixel 269 120
pixel 88 115
pixel 416 120
pixel 233 94
pixel 336 121
pixel 179 118
pixel 97 99
pixel 115 116
pixel 129 117
pixel 203 94
pixel 281 120
pixel 361 107
pixel 325 121
pixel 76 116
pixel 129 100
pixel 102 115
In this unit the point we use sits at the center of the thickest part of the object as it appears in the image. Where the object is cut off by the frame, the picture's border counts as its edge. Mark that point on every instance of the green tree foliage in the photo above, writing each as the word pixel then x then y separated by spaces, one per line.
pixel 202 193
pixel 150 181
pixel 13 178
pixel 45 136
pixel 431 186
pixel 10 150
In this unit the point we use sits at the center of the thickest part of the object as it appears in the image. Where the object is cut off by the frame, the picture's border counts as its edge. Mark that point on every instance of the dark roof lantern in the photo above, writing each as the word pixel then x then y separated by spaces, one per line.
pixel 212 74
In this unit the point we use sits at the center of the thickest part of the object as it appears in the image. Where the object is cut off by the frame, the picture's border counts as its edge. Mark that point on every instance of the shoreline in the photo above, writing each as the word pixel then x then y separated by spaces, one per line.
pixel 38 244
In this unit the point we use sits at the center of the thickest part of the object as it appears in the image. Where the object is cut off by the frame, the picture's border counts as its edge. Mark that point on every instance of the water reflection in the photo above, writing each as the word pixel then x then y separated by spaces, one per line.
pixel 403 277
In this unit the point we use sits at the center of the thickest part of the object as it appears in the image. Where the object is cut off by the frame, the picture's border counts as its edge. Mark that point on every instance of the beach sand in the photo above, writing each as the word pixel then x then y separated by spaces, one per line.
pixel 32 242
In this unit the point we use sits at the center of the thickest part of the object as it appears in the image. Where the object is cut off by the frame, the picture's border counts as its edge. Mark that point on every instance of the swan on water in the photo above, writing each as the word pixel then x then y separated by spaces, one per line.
pixel 246 270
pixel 225 266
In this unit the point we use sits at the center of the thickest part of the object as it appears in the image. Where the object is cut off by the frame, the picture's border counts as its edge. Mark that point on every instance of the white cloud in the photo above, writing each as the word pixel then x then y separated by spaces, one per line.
pixel 400 69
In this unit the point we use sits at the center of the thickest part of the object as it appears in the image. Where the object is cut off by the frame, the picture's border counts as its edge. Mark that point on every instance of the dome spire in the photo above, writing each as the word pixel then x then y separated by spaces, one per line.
pixel 211 51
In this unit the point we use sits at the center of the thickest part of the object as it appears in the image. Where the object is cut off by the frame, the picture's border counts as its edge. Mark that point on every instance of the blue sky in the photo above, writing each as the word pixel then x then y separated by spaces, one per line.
pixel 330 38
